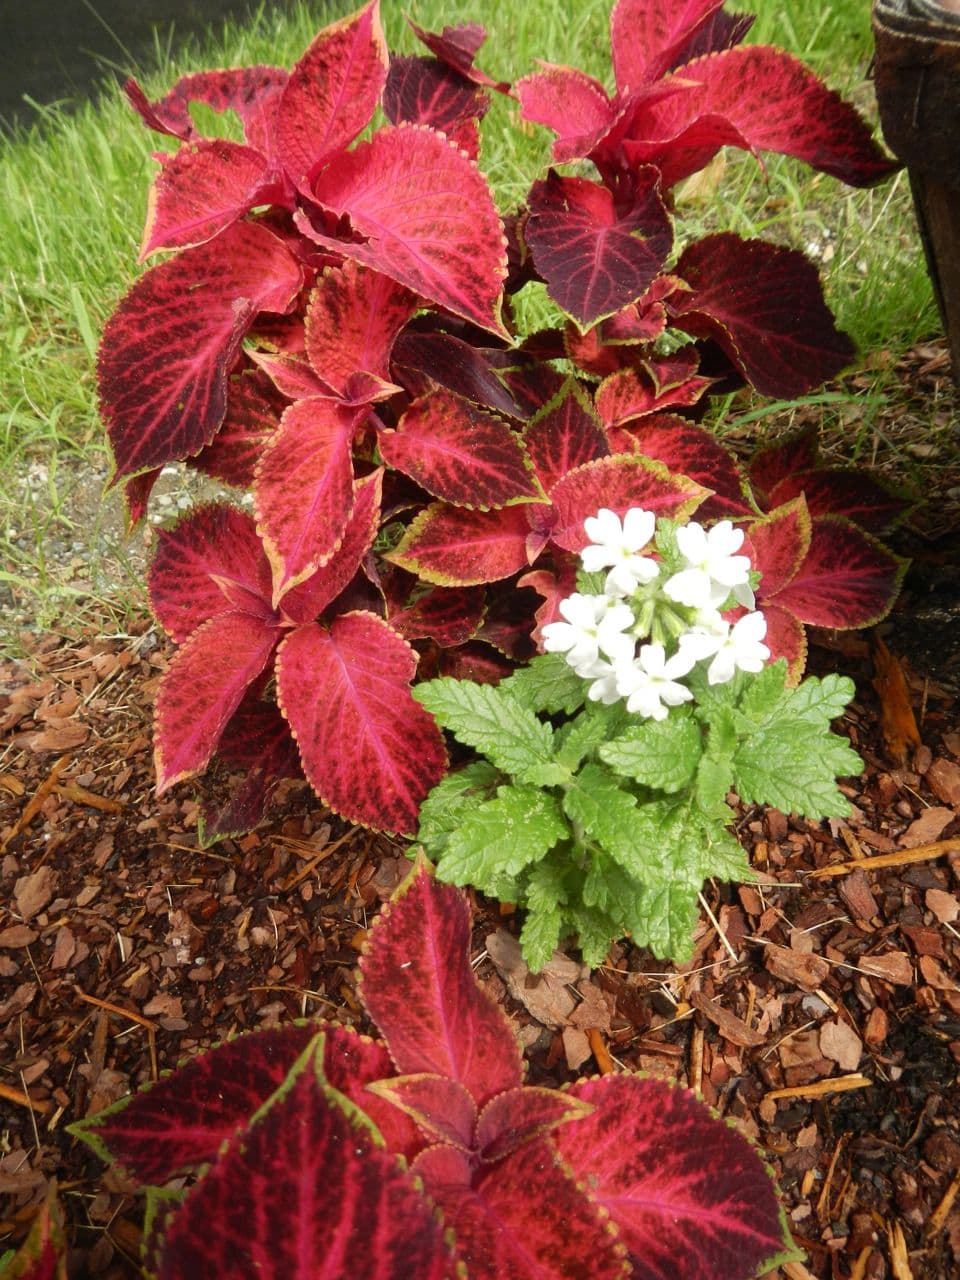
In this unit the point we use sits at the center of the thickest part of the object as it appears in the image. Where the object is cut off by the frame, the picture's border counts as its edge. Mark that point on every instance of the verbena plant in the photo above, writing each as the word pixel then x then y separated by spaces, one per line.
pixel 335 331
pixel 319 1153
pixel 602 805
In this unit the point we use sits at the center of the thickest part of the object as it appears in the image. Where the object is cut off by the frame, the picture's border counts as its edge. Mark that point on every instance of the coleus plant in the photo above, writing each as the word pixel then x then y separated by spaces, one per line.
pixel 334 330
pixel 317 1153
pixel 601 805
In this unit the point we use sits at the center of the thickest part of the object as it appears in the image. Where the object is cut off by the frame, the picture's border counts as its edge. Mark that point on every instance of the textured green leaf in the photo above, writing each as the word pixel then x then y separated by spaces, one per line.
pixel 451 799
pixel 820 701
pixel 596 724
pixel 548 683
pixel 713 780
pixel 658 753
pixel 763 696
pixel 503 835
pixel 668 912
pixel 595 931
pixel 489 718
pixel 597 803
pixel 545 898
pixel 794 767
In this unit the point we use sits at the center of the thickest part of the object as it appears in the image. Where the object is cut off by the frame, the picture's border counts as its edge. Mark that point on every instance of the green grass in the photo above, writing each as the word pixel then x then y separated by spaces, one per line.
pixel 72 197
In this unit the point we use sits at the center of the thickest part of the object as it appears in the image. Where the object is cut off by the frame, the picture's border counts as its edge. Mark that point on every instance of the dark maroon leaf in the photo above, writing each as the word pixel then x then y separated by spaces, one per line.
pixel 517 1116
pixel 691 1197
pixel 253 413
pixel 168 349
pixel 182 1121
pixel 458 366
pixel 763 304
pixel 305 1193
pixel 457 547
pixel 841 491
pixel 774 462
pixel 564 435
pixel 202 688
pixel 506 623
pixel 778 545
pixel 458 46
pixel 420 990
pixel 215 544
pixel 446 615
pixel 426 91
pixel 689 450
pixel 595 254
pixel 523 1216
pixel 369 750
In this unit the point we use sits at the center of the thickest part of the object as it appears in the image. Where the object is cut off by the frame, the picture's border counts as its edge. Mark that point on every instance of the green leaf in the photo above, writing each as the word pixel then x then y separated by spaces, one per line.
pixel 544 901
pixel 764 695
pixel 489 718
pixel 596 724
pixel 451 799
pixel 658 753
pixel 820 701
pixel 667 918
pixel 794 767
pixel 502 836
pixel 714 779
pixel 595 931
pixel 547 683
pixel 599 805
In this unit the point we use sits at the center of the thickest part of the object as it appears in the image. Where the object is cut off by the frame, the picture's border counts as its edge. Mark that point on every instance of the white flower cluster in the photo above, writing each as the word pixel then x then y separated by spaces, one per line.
pixel 680 613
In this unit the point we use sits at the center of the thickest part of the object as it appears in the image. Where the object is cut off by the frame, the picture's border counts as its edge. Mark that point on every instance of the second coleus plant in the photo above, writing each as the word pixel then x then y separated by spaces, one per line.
pixel 334 330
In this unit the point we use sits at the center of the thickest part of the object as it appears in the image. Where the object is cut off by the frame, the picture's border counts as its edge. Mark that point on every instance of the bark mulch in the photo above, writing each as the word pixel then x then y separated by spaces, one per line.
pixel 820 1013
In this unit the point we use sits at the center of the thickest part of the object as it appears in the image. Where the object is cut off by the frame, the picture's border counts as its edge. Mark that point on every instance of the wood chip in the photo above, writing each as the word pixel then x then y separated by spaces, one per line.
pixel 822 1088
pixel 729 1025
pixel 18 935
pixel 800 968
pixel 841 1044
pixel 893 967
pixel 943 779
pixel 32 892
pixel 897 721
pixel 931 824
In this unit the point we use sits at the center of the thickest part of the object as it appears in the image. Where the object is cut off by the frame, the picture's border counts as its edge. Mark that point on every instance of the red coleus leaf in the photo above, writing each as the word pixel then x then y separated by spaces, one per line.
pixel 517 1116
pixel 303 492
pixel 564 435
pixel 214 545
pixel 553 587
pixel 692 451
pixel 443 1109
pixel 457 547
pixel 252 416
pixel 775 462
pixel 291 374
pixel 524 1216
pixel 634 393
pixel 252 92
pixel 718 31
pixel 136 495
pixel 645 36
pixel 691 1197
pixel 368 749
pixel 332 93
pixel 43 1255
pixel 182 1121
pixel 619 483
pixel 308 600
pixel 763 305
pixel 474 661
pixel 839 491
pixel 426 218
pixel 847 579
pixel 446 615
pixel 506 623
pixel 162 399
pixel 786 638
pixel 774 103
pixel 778 544
pixel 353 319
pixel 459 453
pixel 458 46
pixel 466 370
pixel 352 1063
pixel 310 1226
pixel 419 988
pixel 202 688
pixel 572 104
pixel 201 190
pixel 426 91
pixel 597 254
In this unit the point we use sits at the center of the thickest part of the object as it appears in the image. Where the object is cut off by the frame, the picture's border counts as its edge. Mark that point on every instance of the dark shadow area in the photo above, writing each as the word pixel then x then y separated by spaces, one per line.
pixel 60 50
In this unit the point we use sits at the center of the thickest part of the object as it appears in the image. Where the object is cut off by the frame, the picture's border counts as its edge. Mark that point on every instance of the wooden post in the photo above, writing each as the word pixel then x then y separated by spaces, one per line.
pixel 917 74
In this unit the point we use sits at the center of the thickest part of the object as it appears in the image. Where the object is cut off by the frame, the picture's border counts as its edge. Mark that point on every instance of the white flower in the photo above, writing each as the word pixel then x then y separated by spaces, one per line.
pixel 705 636
pixel 593 624
pixel 713 570
pixel 650 683
pixel 604 687
pixel 617 546
pixel 742 649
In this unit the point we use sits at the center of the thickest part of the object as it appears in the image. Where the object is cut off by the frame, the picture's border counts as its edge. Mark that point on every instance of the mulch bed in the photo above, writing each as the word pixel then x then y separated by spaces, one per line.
pixel 820 1014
